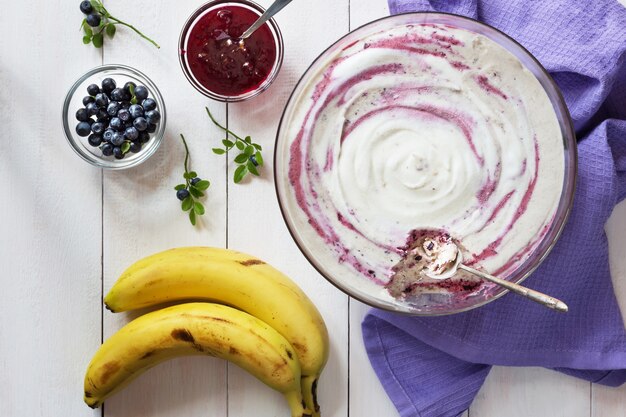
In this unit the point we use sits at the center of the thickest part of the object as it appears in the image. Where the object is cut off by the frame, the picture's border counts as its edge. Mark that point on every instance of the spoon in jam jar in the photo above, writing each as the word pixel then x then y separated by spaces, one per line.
pixel 276 7
pixel 446 259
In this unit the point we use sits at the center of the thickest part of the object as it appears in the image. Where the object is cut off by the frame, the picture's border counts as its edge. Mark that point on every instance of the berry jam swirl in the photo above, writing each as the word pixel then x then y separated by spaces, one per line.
pixel 423 127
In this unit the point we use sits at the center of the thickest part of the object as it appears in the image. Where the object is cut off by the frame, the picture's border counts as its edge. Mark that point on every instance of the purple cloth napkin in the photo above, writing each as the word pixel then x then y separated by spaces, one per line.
pixel 433 367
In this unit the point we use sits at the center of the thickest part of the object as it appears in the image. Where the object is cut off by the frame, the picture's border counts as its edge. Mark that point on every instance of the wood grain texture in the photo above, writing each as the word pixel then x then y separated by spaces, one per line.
pixel 50 208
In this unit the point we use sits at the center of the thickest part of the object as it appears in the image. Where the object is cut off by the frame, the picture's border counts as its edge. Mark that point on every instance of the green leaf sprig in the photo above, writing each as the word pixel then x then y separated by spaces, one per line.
pixel 191 190
pixel 107 25
pixel 248 160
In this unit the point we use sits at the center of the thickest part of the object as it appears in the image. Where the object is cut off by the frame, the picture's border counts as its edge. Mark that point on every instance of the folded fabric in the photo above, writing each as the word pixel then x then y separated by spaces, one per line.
pixel 433 367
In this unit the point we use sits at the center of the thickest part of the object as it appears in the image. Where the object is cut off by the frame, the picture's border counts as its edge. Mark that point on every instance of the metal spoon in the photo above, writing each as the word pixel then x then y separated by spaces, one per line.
pixel 533 295
pixel 276 7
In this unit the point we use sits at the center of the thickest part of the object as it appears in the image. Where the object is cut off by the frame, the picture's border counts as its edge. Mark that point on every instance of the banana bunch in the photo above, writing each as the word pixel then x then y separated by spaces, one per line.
pixel 271 328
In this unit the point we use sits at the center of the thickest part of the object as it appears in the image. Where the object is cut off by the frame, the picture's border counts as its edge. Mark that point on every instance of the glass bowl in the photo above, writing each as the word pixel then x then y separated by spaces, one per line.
pixel 73 101
pixel 322 257
pixel 186 32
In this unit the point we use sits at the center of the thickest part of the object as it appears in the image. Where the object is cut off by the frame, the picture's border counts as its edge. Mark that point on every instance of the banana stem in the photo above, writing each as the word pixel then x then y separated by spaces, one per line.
pixel 294 398
pixel 309 393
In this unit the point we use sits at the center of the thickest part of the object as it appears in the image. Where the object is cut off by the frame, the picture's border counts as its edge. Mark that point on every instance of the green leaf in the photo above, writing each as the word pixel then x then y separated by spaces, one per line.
pixel 240 145
pixel 202 185
pixel 98 40
pixel 219 151
pixel 248 139
pixel 125 147
pixel 240 172
pixel 257 146
pixel 195 192
pixel 252 168
pixel 86 39
pixel 83 24
pixel 87 30
pixel 187 203
pixel 180 187
pixel 259 158
pixel 198 208
pixel 249 150
pixel 227 143
pixel 111 31
pixel 241 158
pixel 192 174
pixel 192 217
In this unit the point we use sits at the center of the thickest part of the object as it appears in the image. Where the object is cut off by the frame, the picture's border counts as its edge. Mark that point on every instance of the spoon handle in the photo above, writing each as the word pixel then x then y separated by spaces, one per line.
pixel 536 296
pixel 276 7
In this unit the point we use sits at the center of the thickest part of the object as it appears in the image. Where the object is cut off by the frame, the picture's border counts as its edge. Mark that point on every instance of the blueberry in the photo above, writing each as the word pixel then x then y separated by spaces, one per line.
pixel 136 111
pixel 92 109
pixel 97 128
pixel 85 7
pixel 87 100
pixel 131 133
pixel 182 194
pixel 90 122
pixel 144 137
pixel 102 115
pixel 93 19
pixel 94 140
pixel 117 152
pixel 108 85
pixel 127 86
pixel 117 94
pixel 81 115
pixel 116 123
pixel 135 147
pixel 117 139
pixel 93 89
pixel 125 104
pixel 254 161
pixel 194 181
pixel 124 115
pixel 141 93
pixel 107 149
pixel 148 104
pixel 153 116
pixel 102 100
pixel 113 108
pixel 152 127
pixel 83 129
pixel 108 135
pixel 140 124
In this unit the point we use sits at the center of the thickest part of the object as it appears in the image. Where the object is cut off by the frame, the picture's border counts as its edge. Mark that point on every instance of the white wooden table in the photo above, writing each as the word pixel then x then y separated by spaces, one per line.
pixel 67 229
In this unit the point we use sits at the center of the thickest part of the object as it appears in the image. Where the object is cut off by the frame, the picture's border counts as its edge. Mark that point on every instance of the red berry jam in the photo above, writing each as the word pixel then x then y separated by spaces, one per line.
pixel 220 61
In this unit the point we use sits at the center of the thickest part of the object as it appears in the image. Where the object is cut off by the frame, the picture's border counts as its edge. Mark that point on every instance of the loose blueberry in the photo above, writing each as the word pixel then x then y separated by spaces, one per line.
pixel 131 133
pixel 92 109
pixel 93 89
pixel 93 20
pixel 107 149
pixel 87 100
pixel 124 115
pixel 144 137
pixel 113 108
pixel 81 115
pixel 116 123
pixel 182 194
pixel 195 180
pixel 136 111
pixel 85 7
pixel 141 93
pixel 140 124
pixel 148 104
pixel 153 116
pixel 254 161
pixel 108 85
pixel 127 86
pixel 152 127
pixel 97 128
pixel 94 140
pixel 102 100
pixel 102 115
pixel 117 139
pixel 117 94
pixel 108 135
pixel 135 147
pixel 117 153
pixel 83 129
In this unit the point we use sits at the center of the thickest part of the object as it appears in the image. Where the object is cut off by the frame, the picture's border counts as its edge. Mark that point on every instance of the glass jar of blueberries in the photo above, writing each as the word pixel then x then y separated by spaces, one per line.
pixel 114 117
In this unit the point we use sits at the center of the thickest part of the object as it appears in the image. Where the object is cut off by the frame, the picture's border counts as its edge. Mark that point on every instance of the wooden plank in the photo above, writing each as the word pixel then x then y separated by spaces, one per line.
pixel 255 224
pixel 51 217
pixel 142 215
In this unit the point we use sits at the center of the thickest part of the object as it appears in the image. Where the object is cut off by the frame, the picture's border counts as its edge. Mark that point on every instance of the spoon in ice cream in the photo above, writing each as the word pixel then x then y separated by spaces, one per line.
pixel 446 259
pixel 276 7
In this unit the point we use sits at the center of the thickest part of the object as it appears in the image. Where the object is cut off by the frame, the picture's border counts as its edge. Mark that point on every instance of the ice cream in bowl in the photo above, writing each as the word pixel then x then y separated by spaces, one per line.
pixel 425 127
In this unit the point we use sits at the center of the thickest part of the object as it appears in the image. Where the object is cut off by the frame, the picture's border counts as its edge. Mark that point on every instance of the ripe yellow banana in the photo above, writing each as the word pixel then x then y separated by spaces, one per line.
pixel 195 329
pixel 235 279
